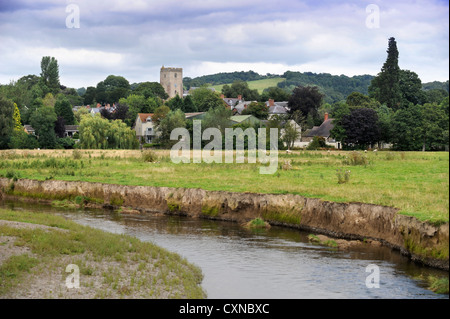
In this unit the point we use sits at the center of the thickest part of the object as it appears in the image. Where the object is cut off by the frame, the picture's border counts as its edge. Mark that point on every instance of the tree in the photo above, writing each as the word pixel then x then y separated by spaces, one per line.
pixel 21 140
pixel 338 111
pixel 361 127
pixel 275 93
pixel 291 134
pixel 188 105
pixel 160 113
pixel 120 136
pixel 258 110
pixel 50 74
pixel 411 88
pixel 385 87
pixel 98 133
pixel 240 88
pixel 205 99
pixel 357 99
pixel 435 124
pixel 43 121
pixel 63 109
pixel 435 95
pixel 93 132
pixel 89 95
pixel 306 99
pixel 407 128
pixel 121 112
pixel 151 89
pixel 112 89
pixel 138 104
pixel 6 121
pixel 60 127
pixel 172 120
pixel 49 100
pixel 16 118
pixel 218 117
pixel 385 115
pixel 176 103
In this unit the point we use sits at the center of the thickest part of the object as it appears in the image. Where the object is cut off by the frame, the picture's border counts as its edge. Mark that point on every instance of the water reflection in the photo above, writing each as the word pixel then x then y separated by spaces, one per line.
pixel 275 263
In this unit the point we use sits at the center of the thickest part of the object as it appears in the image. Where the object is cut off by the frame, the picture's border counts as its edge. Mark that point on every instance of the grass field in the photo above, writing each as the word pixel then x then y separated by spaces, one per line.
pixel 260 85
pixel 37 247
pixel 415 182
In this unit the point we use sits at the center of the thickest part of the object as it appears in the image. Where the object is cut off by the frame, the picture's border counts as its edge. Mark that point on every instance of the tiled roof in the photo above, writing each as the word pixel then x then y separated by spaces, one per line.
pixel 322 130
pixel 144 116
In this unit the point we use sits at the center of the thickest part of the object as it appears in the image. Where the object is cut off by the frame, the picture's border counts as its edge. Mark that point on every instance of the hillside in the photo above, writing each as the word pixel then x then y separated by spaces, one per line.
pixel 335 87
pixel 259 85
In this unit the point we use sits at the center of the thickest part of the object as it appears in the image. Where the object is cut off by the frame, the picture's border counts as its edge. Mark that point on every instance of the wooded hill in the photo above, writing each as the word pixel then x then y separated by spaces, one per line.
pixel 335 87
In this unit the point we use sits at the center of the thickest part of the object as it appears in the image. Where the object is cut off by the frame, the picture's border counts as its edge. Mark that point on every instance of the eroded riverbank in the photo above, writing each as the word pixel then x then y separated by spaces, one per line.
pixel 422 242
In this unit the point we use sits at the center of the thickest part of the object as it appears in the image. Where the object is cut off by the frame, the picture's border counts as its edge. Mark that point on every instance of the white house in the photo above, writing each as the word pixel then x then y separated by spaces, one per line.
pixel 145 128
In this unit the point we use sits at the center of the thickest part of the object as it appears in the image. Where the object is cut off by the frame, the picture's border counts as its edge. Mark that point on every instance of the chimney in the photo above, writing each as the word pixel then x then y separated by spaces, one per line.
pixel 239 97
pixel 326 117
pixel 271 102
pixel 222 96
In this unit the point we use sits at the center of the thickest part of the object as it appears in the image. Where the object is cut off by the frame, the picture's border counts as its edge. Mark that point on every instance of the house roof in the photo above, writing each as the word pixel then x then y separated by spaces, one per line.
pixel 277 109
pixel 144 116
pixel 322 130
pixel 28 128
pixel 189 115
pixel 71 127
pixel 242 105
pixel 242 118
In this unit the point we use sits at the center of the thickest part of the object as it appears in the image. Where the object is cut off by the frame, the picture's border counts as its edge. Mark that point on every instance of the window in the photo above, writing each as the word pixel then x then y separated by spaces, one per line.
pixel 175 75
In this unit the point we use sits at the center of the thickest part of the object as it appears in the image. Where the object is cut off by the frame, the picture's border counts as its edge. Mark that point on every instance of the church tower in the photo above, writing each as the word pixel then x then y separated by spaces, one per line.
pixel 171 80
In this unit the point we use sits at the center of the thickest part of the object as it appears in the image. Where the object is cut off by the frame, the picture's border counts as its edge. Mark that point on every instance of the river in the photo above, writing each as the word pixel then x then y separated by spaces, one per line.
pixel 278 263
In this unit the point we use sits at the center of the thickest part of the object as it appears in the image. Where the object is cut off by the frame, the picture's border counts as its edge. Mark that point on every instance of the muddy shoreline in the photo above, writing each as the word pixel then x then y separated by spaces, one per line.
pixel 422 242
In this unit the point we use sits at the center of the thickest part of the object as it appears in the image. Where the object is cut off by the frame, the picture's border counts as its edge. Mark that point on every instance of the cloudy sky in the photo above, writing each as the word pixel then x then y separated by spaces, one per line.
pixel 135 38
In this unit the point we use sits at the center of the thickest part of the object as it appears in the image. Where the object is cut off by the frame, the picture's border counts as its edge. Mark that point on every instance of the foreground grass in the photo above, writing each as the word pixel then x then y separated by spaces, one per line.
pixel 415 182
pixel 111 265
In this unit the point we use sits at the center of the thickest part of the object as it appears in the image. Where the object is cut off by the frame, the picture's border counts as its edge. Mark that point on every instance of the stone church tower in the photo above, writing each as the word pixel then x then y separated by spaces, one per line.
pixel 171 80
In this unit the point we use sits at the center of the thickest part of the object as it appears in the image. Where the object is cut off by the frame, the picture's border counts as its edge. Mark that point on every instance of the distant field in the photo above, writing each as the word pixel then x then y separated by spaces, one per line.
pixel 260 85
pixel 415 182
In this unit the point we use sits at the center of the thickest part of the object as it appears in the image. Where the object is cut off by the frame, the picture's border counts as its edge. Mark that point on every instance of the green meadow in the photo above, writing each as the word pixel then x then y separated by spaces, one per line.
pixel 417 183
pixel 259 85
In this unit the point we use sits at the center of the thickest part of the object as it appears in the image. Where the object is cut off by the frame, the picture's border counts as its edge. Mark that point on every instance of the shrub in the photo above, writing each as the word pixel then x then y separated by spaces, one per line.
pixel 76 154
pixel 149 156
pixel 356 158
pixel 257 223
pixel 12 175
pixel 287 165
pixel 390 156
pixel 343 175
pixel 318 142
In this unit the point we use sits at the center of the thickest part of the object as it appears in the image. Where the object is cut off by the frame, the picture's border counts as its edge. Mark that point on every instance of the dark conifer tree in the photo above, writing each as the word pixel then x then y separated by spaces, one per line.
pixel 385 87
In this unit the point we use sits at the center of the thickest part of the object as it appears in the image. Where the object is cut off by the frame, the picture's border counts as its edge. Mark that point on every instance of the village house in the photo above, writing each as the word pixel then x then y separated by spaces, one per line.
pixel 145 127
pixel 277 108
pixel 231 103
pixel 69 130
pixel 322 131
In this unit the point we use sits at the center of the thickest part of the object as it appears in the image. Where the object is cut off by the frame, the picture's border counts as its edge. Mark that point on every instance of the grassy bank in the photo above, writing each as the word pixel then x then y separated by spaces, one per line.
pixel 36 248
pixel 415 182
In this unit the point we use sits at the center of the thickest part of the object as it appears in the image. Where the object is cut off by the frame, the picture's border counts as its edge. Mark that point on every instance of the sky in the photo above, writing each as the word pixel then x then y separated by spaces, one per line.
pixel 135 38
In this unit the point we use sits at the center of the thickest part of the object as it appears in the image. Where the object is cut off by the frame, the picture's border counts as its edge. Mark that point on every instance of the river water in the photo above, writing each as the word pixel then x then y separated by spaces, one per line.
pixel 278 263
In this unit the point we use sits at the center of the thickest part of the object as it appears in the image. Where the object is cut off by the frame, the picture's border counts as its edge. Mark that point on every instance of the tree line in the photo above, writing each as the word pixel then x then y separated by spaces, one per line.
pixel 397 109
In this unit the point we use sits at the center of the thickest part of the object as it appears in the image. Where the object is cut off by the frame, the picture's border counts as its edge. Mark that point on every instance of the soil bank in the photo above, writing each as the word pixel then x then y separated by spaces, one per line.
pixel 421 241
